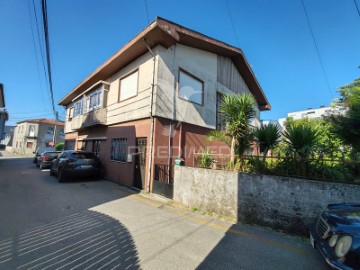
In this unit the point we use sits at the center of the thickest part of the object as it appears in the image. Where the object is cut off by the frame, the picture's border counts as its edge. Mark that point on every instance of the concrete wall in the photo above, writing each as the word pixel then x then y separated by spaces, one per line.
pixel 207 190
pixel 282 203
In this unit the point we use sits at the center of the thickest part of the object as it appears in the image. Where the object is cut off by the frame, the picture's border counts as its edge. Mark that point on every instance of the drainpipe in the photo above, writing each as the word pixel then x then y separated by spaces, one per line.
pixel 151 117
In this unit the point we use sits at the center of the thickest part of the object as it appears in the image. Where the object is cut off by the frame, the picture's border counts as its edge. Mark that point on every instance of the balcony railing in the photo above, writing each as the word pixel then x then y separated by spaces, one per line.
pixel 92 118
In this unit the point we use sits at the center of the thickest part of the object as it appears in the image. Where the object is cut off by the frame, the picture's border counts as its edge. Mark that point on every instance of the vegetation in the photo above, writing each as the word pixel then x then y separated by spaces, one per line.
pixel 347 127
pixel 238 110
pixel 267 137
pixel 205 160
pixel 59 147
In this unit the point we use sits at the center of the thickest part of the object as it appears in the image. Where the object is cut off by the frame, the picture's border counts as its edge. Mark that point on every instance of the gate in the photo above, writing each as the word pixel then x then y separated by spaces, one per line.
pixel 140 163
pixel 164 180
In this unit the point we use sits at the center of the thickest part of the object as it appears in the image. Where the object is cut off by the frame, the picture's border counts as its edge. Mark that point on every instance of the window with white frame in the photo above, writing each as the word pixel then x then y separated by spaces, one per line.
pixel 78 107
pixel 128 86
pixel 31 131
pixel 118 150
pixel 71 112
pixel 93 100
pixel 190 87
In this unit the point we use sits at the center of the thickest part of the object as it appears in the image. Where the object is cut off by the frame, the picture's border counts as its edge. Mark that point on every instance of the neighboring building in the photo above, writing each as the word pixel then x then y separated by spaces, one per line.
pixel 4 116
pixel 8 136
pixel 313 113
pixel 34 133
pixel 155 100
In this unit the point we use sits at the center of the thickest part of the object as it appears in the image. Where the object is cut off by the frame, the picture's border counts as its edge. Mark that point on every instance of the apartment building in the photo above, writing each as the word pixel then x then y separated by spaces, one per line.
pixel 34 133
pixel 155 100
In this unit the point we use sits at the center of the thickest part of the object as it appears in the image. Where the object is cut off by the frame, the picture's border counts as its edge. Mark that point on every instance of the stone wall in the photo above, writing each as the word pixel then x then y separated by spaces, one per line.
pixel 282 203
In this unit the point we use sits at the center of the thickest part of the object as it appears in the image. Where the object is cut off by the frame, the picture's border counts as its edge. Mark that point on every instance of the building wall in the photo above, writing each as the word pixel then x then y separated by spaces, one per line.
pixel 200 64
pixel 22 140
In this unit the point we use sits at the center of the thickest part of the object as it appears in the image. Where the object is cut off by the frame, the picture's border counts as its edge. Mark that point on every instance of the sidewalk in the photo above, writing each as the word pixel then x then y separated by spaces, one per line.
pixel 5 154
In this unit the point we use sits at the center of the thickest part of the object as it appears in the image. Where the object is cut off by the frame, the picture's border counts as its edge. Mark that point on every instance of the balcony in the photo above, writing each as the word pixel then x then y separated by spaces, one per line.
pixel 91 118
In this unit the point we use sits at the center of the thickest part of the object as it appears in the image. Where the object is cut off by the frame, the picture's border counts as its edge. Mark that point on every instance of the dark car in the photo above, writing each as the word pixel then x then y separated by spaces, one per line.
pixel 46 158
pixel 336 234
pixel 72 163
pixel 41 150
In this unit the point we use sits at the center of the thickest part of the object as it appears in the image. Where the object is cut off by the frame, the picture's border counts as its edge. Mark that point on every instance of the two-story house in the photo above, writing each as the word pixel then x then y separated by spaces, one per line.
pixel 155 100
pixel 34 133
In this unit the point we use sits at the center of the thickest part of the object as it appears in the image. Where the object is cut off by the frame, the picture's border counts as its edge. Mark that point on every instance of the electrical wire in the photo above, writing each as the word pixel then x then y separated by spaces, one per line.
pixel 317 49
pixel 147 11
pixel 357 7
pixel 36 55
pixel 232 23
pixel 47 49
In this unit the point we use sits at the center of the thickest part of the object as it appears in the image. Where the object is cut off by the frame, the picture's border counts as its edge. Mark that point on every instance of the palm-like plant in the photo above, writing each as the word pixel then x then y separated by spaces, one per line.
pixel 301 138
pixel 238 110
pixel 267 137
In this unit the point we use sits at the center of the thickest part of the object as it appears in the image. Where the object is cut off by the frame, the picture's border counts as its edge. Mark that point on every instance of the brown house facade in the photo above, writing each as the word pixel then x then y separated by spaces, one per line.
pixel 155 100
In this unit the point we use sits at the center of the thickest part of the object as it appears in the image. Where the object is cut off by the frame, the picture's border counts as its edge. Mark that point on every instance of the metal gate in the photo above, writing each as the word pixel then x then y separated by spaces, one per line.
pixel 140 163
pixel 164 180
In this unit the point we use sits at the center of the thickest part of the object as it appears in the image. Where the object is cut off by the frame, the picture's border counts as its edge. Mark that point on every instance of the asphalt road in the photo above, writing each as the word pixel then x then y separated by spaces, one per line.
pixel 100 225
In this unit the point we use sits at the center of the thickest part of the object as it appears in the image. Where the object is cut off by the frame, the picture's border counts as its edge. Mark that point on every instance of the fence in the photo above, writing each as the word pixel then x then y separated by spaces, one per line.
pixel 318 168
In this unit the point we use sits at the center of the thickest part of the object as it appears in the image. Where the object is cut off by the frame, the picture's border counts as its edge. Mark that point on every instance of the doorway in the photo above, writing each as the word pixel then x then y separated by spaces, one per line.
pixel 140 163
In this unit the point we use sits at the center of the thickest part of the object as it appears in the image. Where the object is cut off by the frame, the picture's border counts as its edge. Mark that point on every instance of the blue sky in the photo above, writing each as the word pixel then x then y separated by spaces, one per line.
pixel 274 36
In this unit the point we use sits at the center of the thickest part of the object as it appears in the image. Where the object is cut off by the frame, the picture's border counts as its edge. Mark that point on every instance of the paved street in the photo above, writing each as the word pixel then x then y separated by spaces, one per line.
pixel 101 225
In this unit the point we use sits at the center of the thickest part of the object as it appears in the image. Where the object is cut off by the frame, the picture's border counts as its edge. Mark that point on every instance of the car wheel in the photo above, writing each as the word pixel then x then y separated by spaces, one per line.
pixel 51 171
pixel 61 175
pixel 37 164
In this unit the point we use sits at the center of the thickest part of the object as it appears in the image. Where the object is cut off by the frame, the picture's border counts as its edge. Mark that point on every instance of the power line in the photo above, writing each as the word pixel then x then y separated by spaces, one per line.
pixel 147 11
pixel 47 49
pixel 232 23
pixel 317 49
pixel 36 56
pixel 357 7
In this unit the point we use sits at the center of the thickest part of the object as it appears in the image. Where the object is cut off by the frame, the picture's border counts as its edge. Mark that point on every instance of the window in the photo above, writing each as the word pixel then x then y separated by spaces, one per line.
pixel 128 86
pixel 29 144
pixel 61 132
pixel 69 145
pixel 190 87
pixel 93 100
pixel 220 119
pixel 71 112
pixel 31 131
pixel 96 148
pixel 118 150
pixel 78 107
pixel 50 130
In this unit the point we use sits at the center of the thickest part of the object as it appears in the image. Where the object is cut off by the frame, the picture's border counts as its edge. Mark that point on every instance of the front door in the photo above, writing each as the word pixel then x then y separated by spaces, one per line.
pixel 140 163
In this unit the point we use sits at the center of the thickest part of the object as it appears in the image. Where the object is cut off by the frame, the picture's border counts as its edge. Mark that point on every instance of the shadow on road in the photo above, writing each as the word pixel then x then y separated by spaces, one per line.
pixel 244 247
pixel 87 240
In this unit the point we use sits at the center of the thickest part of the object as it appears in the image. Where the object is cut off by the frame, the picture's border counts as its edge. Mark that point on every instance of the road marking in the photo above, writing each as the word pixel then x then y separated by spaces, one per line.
pixel 45 170
pixel 251 236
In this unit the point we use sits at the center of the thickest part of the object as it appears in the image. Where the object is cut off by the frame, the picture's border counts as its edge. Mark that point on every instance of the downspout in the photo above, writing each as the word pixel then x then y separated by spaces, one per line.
pixel 151 118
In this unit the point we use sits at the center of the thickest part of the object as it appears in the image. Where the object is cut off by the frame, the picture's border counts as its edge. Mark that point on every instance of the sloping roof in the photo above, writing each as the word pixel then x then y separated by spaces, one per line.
pixel 167 33
pixel 43 121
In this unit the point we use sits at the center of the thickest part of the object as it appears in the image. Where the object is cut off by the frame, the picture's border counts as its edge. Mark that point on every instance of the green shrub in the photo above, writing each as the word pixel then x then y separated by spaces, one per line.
pixel 59 147
pixel 205 160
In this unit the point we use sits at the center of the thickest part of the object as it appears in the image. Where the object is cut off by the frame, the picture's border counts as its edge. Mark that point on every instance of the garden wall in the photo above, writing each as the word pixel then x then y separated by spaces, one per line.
pixel 282 203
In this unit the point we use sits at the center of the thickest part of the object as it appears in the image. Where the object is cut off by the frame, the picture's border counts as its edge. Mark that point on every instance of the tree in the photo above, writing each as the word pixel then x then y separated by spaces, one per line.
pixel 59 147
pixel 301 139
pixel 238 110
pixel 347 126
pixel 267 137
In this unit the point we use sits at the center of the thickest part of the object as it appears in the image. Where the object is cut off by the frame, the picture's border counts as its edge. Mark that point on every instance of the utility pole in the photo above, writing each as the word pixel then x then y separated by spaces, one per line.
pixel 56 120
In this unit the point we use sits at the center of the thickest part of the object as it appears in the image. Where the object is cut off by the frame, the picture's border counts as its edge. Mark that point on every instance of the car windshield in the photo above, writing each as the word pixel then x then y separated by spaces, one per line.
pixel 83 155
pixel 51 154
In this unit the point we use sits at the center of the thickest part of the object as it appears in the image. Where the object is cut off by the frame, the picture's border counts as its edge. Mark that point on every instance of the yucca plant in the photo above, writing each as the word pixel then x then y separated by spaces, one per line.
pixel 267 137
pixel 238 110
pixel 301 139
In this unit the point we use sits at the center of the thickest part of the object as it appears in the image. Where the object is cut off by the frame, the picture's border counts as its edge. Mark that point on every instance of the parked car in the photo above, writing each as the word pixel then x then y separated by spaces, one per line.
pixel 72 163
pixel 41 150
pixel 336 234
pixel 46 158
